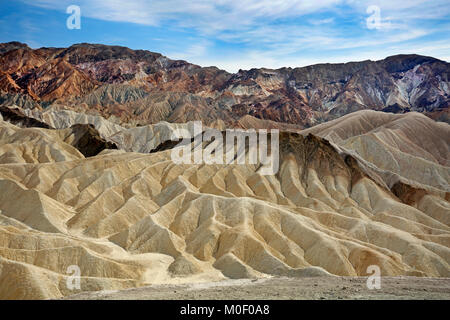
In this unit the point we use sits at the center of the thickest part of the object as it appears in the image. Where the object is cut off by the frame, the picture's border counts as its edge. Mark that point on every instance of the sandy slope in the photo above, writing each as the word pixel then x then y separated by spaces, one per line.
pixel 132 219
pixel 410 146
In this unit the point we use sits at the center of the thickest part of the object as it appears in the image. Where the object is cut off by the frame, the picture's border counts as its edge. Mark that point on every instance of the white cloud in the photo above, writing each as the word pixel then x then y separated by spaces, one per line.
pixel 318 22
pixel 259 59
pixel 232 14
pixel 198 50
pixel 254 25
pixel 203 14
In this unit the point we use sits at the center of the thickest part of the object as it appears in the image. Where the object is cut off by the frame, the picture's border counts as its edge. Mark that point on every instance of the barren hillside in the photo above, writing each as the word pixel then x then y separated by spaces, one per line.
pixel 130 218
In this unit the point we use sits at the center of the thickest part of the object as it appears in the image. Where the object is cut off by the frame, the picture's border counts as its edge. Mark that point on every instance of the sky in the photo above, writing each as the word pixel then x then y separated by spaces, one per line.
pixel 238 34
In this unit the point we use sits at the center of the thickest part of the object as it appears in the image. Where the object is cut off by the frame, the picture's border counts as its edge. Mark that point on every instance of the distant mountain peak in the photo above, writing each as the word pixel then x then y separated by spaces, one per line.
pixel 178 91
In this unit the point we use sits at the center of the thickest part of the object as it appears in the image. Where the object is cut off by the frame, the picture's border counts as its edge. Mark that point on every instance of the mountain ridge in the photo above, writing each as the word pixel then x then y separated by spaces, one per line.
pixel 143 87
pixel 131 218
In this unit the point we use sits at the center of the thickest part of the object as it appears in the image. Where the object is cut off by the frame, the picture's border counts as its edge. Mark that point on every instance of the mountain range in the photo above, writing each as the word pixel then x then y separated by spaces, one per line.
pixel 87 177
pixel 141 87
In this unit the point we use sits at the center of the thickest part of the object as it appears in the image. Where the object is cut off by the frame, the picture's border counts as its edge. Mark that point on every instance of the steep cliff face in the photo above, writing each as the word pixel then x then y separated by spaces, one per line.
pixel 143 87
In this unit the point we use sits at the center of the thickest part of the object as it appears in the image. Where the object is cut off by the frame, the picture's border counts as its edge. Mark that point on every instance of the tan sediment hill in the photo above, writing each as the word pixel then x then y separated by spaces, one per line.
pixel 411 133
pixel 410 147
pixel 142 138
pixel 130 219
pixel 136 139
pixel 33 145
pixel 143 87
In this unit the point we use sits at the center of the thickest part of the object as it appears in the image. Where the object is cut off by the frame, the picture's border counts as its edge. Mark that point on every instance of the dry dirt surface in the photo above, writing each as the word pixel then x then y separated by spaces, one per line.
pixel 312 288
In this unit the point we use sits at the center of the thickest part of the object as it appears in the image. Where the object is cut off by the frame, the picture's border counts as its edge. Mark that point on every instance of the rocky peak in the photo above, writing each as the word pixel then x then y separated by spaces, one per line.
pixel 79 78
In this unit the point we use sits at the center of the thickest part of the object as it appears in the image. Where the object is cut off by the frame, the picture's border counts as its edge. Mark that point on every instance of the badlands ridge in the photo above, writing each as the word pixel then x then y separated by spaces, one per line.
pixel 369 188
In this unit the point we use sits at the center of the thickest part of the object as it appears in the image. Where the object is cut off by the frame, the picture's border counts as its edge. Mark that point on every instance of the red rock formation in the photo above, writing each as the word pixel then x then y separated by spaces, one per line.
pixel 143 87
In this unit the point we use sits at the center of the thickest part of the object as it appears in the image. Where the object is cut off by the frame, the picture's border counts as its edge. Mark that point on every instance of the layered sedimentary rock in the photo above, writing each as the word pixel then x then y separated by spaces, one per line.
pixel 128 219
pixel 31 145
pixel 410 147
pixel 87 178
pixel 19 118
pixel 142 87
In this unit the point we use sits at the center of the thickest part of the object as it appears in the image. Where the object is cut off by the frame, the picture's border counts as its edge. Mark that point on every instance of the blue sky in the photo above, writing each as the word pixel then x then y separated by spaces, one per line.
pixel 240 34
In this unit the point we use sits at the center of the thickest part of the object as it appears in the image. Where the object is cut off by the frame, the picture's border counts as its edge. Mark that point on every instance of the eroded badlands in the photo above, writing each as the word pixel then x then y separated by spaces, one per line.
pixel 374 192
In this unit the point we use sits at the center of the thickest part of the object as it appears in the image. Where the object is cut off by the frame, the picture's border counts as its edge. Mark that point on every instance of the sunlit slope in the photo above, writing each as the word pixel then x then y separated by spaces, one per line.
pixel 129 219
pixel 410 146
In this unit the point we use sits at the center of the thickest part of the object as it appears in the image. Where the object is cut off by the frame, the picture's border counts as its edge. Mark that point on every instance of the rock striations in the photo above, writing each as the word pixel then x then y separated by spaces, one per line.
pixel 87 178
pixel 367 189
pixel 142 87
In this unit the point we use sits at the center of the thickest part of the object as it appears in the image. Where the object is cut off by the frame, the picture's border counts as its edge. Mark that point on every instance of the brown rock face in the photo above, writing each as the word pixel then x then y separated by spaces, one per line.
pixel 16 117
pixel 408 194
pixel 5 47
pixel 86 139
pixel 143 87
pixel 83 137
pixel 57 79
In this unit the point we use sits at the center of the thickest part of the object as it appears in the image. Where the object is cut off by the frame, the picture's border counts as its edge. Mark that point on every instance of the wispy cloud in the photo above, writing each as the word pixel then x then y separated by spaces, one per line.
pixel 204 14
pixel 243 33
pixel 233 14
pixel 318 22
pixel 196 51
